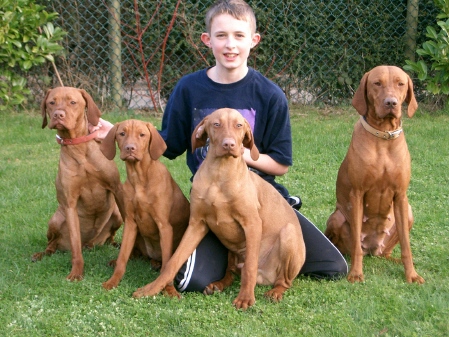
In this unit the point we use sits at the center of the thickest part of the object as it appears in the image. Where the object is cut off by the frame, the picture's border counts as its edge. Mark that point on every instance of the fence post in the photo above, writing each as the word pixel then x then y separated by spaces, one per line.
pixel 411 30
pixel 116 52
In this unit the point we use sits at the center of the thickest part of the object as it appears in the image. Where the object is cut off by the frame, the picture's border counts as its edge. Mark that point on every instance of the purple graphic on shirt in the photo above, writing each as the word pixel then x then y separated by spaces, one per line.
pixel 198 116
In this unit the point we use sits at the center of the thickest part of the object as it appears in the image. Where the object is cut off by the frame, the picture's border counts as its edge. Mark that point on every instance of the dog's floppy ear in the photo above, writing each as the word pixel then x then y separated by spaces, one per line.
pixel 93 112
pixel 157 144
pixel 199 135
pixel 108 144
pixel 410 99
pixel 359 99
pixel 248 142
pixel 44 109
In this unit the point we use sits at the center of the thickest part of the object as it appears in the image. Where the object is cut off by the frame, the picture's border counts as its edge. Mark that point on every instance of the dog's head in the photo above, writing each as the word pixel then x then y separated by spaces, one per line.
pixel 135 139
pixel 228 132
pixel 66 108
pixel 382 91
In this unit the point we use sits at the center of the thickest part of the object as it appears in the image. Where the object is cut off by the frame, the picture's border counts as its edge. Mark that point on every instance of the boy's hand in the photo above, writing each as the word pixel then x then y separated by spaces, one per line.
pixel 102 127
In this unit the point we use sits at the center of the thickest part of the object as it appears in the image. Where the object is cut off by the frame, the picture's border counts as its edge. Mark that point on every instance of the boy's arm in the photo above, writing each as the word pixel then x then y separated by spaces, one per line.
pixel 265 164
pixel 174 132
pixel 273 138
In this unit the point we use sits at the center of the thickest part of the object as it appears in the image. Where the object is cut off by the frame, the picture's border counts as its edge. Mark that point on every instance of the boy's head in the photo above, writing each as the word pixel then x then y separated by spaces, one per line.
pixel 238 9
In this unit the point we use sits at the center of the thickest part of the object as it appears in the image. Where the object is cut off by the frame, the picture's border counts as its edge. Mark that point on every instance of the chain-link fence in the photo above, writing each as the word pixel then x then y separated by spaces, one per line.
pixel 130 54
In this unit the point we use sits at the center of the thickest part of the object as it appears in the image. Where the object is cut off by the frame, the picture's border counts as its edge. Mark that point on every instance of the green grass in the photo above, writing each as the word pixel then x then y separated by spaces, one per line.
pixel 36 300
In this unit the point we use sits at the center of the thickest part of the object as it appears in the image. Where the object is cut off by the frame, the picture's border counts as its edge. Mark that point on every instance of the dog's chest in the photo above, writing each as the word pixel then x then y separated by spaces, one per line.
pixel 378 166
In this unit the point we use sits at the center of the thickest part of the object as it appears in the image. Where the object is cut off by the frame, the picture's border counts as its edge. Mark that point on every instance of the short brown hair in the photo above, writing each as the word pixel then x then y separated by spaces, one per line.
pixel 239 9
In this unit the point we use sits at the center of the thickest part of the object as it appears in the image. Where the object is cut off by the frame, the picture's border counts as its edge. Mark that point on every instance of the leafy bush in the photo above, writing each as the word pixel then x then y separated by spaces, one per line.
pixel 27 39
pixel 436 52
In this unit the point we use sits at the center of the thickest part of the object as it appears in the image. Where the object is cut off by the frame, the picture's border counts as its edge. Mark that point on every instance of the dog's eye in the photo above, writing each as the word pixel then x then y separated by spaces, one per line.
pixel 51 103
pixel 239 125
pixel 217 124
pixel 122 134
pixel 377 84
pixel 401 84
pixel 73 102
pixel 142 135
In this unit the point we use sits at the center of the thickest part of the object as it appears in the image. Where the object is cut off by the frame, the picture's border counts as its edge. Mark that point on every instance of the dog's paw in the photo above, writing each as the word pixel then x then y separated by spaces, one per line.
pixel 171 291
pixel 415 278
pixel 116 244
pixel 37 257
pixel 108 285
pixel 355 277
pixel 155 265
pixel 244 303
pixel 148 290
pixel 112 263
pixel 275 294
pixel 210 289
pixel 72 277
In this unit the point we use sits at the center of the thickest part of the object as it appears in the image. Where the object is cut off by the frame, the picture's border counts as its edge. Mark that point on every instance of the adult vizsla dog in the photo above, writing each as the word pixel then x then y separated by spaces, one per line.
pixel 247 214
pixel 157 212
pixel 88 186
pixel 372 213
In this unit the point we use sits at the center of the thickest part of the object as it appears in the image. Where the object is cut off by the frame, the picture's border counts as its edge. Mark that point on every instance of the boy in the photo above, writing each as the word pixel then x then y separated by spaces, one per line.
pixel 230 83
pixel 231 27
pixel 231 34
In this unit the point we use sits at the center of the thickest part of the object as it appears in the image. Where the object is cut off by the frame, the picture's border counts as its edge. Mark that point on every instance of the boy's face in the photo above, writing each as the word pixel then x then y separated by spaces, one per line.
pixel 231 41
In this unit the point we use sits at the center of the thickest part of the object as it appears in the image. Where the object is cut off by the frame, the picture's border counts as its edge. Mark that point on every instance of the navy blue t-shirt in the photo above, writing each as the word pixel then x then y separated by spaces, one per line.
pixel 258 99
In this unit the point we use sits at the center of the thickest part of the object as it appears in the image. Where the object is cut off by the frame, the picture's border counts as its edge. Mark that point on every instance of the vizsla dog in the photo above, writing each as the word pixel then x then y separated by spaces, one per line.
pixel 372 213
pixel 157 212
pixel 247 214
pixel 88 186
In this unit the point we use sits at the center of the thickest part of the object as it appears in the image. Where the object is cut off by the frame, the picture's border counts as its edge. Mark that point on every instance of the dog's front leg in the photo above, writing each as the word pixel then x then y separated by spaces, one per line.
pixel 166 239
pixel 73 224
pixel 401 216
pixel 196 231
pixel 356 223
pixel 253 237
pixel 128 240
pixel 119 196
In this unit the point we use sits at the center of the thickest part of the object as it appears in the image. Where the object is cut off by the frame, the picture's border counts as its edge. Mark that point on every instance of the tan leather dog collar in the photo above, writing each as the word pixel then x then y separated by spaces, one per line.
pixel 381 134
pixel 75 141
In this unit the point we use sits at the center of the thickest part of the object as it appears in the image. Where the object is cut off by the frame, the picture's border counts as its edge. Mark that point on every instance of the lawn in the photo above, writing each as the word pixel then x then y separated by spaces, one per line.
pixel 36 299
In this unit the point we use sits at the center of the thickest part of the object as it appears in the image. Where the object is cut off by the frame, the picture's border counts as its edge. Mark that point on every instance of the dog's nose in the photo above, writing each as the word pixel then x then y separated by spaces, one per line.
pixel 130 147
pixel 391 102
pixel 59 114
pixel 228 143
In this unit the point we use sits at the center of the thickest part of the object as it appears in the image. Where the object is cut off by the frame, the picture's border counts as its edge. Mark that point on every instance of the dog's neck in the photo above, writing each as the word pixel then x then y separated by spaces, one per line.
pixel 75 141
pixel 223 168
pixel 78 135
pixel 387 135
pixel 142 171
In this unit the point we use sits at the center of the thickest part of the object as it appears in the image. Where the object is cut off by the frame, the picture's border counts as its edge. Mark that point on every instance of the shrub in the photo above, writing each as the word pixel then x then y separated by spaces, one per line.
pixel 436 53
pixel 27 39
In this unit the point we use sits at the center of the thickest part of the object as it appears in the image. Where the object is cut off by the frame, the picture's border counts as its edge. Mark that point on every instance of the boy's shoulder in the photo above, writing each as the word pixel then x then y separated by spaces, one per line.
pixel 264 81
pixel 193 77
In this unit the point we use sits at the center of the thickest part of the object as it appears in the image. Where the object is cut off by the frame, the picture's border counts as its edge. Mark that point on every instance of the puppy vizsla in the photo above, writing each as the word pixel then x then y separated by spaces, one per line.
pixel 88 186
pixel 157 212
pixel 247 214
pixel 372 213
